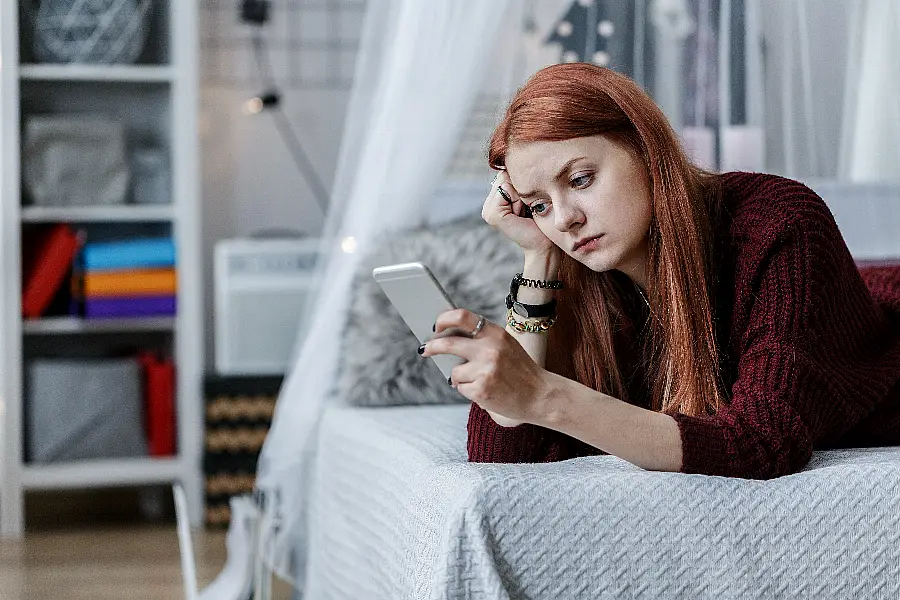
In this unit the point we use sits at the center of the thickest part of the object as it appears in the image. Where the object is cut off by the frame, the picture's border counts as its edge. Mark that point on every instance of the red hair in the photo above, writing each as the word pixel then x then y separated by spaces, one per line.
pixel 567 101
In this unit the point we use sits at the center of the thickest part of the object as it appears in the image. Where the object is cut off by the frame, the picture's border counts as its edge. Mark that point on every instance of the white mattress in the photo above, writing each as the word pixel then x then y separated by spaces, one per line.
pixel 396 512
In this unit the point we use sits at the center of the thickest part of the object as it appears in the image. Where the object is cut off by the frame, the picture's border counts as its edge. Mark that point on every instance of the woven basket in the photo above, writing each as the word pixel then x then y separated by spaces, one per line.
pixel 90 31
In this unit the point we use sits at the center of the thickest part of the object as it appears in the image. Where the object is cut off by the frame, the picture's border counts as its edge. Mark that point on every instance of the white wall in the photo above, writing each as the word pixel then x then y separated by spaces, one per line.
pixel 250 182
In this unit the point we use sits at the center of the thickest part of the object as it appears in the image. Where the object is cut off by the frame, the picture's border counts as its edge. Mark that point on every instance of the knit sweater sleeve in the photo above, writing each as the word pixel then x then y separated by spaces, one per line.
pixel 797 372
pixel 489 442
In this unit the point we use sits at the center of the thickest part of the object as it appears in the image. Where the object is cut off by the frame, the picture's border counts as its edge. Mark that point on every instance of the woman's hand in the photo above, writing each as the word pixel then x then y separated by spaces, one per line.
pixel 504 217
pixel 499 376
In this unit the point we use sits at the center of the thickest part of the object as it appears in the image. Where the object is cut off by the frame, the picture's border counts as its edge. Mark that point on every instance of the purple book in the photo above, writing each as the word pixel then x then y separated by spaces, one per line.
pixel 134 306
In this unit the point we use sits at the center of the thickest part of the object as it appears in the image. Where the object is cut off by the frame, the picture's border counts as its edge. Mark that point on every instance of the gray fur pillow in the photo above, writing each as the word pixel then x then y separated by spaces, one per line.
pixel 379 363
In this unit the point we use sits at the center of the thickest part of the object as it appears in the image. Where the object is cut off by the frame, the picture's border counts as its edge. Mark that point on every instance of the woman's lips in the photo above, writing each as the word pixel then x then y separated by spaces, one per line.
pixel 591 244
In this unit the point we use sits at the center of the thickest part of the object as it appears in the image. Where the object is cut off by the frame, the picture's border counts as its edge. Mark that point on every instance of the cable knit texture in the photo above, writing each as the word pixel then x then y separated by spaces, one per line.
pixel 810 343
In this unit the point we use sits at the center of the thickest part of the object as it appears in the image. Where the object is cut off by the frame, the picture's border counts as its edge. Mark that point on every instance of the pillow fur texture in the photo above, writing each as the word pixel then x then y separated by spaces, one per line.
pixel 379 363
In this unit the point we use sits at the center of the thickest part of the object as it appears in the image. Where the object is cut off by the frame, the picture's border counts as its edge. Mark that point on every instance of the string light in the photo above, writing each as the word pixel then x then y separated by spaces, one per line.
pixel 601 58
pixel 348 244
pixel 253 106
pixel 257 104
pixel 606 28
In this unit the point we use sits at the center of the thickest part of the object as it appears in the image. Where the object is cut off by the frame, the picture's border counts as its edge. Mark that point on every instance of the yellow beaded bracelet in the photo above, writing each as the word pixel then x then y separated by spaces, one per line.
pixel 537 325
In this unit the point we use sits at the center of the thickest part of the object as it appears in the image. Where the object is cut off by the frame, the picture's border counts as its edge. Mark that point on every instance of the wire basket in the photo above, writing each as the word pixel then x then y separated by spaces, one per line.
pixel 90 31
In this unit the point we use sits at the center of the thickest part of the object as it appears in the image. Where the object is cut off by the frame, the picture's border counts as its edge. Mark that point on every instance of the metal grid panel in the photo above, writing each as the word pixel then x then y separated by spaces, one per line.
pixel 312 44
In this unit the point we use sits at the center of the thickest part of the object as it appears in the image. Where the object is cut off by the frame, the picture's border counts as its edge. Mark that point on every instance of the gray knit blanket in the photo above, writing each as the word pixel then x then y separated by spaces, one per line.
pixel 398 513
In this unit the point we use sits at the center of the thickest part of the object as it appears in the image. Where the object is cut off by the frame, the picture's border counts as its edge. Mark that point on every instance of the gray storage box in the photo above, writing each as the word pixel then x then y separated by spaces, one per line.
pixel 80 409
pixel 74 160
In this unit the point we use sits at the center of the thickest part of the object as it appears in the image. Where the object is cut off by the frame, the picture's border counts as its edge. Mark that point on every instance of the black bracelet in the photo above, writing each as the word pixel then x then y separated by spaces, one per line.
pixel 537 283
pixel 531 311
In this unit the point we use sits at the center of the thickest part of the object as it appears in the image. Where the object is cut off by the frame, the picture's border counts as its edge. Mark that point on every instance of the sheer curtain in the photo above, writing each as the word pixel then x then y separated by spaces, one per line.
pixel 419 69
pixel 833 80
pixel 832 115
pixel 870 136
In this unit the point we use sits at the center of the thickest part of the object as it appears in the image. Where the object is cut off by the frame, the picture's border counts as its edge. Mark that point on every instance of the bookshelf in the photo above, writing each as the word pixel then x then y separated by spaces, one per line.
pixel 156 101
pixel 97 214
pixel 71 325
pixel 134 74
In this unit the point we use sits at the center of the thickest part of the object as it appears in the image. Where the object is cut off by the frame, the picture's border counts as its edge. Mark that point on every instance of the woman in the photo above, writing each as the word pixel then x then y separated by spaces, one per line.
pixel 711 324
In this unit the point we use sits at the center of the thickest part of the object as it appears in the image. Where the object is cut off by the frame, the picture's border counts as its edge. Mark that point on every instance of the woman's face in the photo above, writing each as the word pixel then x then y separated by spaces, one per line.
pixel 586 187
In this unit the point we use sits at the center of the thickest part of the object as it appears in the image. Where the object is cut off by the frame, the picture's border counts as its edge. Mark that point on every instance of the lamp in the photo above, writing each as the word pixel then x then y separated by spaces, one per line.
pixel 257 104
pixel 257 13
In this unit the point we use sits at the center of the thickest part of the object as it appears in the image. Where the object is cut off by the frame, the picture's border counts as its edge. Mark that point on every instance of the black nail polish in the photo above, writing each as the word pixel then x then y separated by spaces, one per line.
pixel 449 381
pixel 421 349
pixel 433 326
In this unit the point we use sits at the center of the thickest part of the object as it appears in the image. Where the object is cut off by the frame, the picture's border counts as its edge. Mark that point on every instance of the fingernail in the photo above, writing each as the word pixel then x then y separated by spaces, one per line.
pixel 434 326
pixel 422 349
pixel 450 381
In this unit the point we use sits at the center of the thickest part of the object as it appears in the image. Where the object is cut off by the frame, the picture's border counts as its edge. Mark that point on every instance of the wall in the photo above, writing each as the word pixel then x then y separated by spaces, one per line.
pixel 250 182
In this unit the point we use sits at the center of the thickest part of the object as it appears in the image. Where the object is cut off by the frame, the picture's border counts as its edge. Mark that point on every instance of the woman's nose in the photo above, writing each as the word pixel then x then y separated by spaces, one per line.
pixel 568 217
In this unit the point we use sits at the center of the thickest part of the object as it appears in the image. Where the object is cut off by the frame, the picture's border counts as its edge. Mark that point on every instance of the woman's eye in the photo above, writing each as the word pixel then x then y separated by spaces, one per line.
pixel 581 181
pixel 538 208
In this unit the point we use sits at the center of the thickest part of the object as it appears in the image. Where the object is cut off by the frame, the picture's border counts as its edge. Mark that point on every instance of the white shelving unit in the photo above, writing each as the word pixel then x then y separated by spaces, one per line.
pixel 72 325
pixel 97 214
pixel 100 473
pixel 156 100
pixel 136 74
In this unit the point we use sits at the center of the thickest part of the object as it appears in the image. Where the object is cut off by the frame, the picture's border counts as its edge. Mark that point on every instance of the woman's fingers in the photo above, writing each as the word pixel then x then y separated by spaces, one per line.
pixel 463 319
pixel 463 347
pixel 464 373
pixel 503 187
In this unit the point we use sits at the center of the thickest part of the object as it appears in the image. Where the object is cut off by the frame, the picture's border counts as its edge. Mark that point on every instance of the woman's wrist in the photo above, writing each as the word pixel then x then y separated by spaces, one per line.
pixel 541 266
pixel 503 421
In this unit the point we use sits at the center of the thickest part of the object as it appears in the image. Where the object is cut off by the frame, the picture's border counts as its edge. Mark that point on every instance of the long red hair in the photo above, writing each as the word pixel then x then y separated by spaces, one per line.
pixel 567 101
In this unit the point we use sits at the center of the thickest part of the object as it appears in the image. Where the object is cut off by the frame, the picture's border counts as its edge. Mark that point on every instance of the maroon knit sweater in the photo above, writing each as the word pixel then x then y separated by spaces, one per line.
pixel 810 343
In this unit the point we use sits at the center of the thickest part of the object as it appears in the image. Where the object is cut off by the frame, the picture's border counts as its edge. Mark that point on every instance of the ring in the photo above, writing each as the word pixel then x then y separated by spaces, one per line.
pixel 478 327
pixel 504 194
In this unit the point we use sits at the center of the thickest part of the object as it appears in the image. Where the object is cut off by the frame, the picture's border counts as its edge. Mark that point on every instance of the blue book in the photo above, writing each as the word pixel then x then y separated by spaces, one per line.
pixel 132 254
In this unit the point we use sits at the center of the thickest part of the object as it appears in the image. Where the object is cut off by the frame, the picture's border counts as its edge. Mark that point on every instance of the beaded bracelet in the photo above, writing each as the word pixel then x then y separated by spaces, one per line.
pixel 539 325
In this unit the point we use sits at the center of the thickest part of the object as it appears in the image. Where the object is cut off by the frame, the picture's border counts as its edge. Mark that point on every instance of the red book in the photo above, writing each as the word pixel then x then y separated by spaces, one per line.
pixel 47 256
pixel 159 403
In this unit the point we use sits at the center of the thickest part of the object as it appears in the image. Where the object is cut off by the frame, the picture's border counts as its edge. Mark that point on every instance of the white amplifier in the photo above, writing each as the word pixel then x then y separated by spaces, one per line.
pixel 262 291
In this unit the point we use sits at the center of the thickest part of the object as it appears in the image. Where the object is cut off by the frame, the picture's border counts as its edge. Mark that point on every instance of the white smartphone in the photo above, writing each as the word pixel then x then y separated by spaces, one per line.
pixel 419 298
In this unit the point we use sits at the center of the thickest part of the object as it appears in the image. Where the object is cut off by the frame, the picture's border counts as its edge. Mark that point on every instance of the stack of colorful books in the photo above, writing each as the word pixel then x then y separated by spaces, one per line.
pixel 133 278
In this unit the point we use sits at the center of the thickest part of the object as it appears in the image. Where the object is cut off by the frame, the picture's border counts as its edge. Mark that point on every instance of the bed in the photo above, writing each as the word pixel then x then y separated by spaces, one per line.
pixel 397 512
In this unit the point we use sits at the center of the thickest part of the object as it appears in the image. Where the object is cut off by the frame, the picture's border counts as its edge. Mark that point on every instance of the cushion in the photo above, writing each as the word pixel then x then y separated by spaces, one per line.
pixel 379 363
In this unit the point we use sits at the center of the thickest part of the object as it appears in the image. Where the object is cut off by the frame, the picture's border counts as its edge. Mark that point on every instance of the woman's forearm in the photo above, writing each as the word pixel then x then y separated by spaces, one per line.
pixel 544 267
pixel 648 439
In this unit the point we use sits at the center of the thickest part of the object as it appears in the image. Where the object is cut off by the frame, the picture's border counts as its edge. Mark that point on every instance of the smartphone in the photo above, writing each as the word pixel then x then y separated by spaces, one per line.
pixel 419 298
